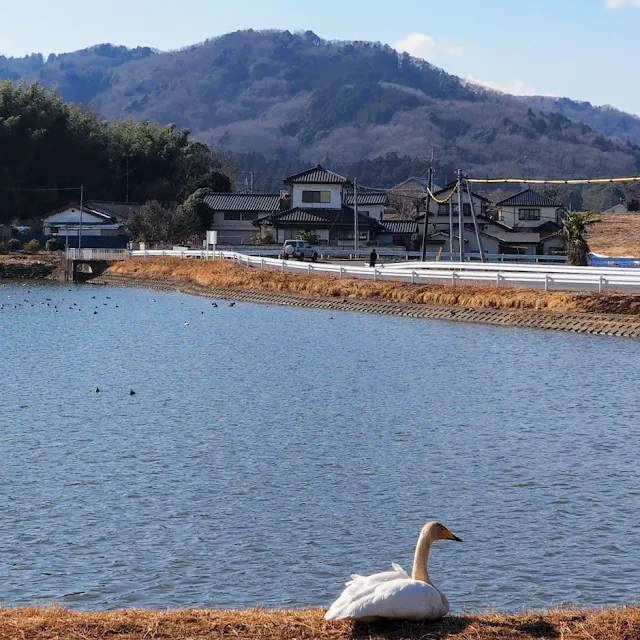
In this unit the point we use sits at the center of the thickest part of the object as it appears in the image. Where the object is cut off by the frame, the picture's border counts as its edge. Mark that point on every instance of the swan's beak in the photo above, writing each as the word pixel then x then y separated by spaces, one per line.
pixel 451 536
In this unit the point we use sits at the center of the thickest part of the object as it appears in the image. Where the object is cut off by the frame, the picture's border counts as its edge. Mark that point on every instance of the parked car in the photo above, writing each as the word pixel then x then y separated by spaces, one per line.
pixel 300 249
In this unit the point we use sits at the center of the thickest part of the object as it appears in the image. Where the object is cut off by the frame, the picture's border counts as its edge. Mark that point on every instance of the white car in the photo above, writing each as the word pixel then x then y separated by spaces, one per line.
pixel 298 249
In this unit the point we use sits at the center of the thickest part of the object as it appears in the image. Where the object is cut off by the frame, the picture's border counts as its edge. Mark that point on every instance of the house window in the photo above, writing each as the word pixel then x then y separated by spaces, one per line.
pixel 232 215
pixel 443 209
pixel 323 197
pixel 528 214
pixel 466 209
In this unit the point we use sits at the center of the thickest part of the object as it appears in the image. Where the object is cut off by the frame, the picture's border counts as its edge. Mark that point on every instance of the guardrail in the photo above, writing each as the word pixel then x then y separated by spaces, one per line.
pixel 97 254
pixel 535 276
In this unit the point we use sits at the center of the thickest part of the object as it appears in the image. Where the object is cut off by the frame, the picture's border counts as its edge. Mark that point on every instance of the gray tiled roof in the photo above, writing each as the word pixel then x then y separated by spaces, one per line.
pixel 117 210
pixel 320 217
pixel 447 189
pixel 316 175
pixel 367 199
pixel 529 198
pixel 399 226
pixel 266 202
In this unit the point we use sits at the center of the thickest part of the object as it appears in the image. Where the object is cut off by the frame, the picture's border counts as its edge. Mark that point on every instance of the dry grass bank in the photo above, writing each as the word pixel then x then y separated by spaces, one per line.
pixel 223 274
pixel 56 623
pixel 617 235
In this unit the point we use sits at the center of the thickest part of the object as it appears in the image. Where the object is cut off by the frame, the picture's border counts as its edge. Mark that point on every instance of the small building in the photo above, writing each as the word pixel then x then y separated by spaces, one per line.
pixel 409 196
pixel 369 204
pixel 97 219
pixel 621 207
pixel 439 213
pixel 233 214
pixel 529 209
pixel 401 233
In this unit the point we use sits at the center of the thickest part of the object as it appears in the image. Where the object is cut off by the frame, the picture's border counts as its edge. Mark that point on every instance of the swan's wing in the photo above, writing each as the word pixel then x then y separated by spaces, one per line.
pixel 400 598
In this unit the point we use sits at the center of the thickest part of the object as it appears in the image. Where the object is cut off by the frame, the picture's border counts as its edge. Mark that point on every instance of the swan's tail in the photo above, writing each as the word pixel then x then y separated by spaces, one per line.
pixel 400 570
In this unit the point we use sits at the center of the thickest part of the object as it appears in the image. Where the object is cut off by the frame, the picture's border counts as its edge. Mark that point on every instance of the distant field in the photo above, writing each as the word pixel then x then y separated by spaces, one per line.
pixel 617 235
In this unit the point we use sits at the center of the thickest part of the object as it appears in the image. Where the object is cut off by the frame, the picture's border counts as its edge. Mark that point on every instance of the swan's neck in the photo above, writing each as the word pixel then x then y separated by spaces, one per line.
pixel 420 559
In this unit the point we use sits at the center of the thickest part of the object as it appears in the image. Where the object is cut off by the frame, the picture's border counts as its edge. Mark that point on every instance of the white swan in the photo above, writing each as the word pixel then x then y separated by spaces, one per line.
pixel 393 594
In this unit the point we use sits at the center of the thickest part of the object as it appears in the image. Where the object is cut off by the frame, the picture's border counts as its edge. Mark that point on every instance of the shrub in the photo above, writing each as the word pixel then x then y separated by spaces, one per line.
pixel 310 236
pixel 13 244
pixel 264 236
pixel 52 245
pixel 33 246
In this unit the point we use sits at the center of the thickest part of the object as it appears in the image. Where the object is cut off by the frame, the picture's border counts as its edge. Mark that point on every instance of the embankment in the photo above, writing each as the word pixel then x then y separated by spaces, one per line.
pixel 54 623
pixel 609 314
pixel 18 267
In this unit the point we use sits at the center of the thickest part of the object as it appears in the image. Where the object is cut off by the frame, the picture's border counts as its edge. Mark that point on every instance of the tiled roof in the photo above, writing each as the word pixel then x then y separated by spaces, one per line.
pixel 529 198
pixel 367 198
pixel 447 189
pixel 423 182
pixel 266 202
pixel 320 217
pixel 399 226
pixel 117 210
pixel 316 175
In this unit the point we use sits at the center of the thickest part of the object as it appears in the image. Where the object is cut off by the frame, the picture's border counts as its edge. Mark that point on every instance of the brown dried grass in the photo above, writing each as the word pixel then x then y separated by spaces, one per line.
pixel 55 623
pixel 223 274
pixel 617 235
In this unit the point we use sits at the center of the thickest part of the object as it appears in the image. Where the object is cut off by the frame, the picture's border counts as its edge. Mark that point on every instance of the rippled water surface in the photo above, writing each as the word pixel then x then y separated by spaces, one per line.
pixel 270 452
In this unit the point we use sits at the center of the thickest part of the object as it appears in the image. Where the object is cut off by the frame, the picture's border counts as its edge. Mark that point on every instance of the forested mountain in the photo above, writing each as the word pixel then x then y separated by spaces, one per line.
pixel 281 100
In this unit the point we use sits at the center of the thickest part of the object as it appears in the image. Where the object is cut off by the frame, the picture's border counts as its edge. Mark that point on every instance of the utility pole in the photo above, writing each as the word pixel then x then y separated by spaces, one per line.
pixel 460 217
pixel 355 215
pixel 428 202
pixel 81 207
pixel 451 229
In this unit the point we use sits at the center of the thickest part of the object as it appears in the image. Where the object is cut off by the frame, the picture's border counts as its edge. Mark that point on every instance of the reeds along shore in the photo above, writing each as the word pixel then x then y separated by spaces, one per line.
pixel 222 274
pixel 258 624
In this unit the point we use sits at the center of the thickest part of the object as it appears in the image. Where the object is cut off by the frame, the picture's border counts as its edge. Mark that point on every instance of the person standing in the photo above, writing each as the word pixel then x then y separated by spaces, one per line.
pixel 373 256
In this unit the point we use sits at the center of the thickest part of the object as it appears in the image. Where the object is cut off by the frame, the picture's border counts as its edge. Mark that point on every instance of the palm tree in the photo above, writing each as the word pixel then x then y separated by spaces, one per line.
pixel 575 229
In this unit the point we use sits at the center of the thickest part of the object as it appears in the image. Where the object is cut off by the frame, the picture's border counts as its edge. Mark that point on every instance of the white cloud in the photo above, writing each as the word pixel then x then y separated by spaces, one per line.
pixel 420 45
pixel 619 4
pixel 514 87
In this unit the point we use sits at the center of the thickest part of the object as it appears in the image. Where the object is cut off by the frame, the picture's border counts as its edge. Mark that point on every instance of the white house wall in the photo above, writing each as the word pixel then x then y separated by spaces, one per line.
pixel 336 196
pixel 509 215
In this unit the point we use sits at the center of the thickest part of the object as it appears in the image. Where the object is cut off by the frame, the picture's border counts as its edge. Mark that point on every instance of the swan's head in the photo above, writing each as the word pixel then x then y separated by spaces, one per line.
pixel 436 531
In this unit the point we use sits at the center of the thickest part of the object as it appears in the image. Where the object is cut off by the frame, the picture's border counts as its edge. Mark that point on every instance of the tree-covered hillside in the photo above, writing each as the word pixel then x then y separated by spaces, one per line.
pixel 47 147
pixel 288 100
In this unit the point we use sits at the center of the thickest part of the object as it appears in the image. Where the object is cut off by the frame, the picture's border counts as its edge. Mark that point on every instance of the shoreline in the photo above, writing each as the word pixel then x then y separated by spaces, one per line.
pixel 618 325
pixel 32 623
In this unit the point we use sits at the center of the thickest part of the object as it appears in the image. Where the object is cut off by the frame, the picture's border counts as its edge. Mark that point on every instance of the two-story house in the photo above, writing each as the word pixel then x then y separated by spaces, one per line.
pixel 529 210
pixel 319 203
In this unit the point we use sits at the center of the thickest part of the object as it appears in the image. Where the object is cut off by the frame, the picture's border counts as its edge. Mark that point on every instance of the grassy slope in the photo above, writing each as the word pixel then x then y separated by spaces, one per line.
pixel 55 623
pixel 616 235
pixel 224 274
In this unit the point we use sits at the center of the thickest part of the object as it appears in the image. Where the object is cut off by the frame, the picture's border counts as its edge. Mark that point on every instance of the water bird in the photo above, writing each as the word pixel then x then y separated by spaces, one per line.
pixel 97 389
pixel 213 304
pixel 132 392
pixel 393 594
pixel 186 324
pixel 95 313
pixel 231 304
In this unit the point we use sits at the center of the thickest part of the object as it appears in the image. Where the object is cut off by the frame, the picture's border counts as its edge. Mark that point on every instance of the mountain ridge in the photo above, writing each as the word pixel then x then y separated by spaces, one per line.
pixel 298 99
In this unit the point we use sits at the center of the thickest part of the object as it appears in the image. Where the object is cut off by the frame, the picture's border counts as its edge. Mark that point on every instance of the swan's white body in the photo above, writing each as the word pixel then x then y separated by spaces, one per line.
pixel 390 594
pixel 395 594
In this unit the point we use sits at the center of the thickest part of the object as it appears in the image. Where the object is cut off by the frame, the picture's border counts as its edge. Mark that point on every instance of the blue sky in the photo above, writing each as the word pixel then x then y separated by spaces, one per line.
pixel 583 49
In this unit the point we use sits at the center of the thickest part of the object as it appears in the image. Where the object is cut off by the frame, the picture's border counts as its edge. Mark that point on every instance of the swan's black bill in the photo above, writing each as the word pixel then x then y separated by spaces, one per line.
pixel 454 537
